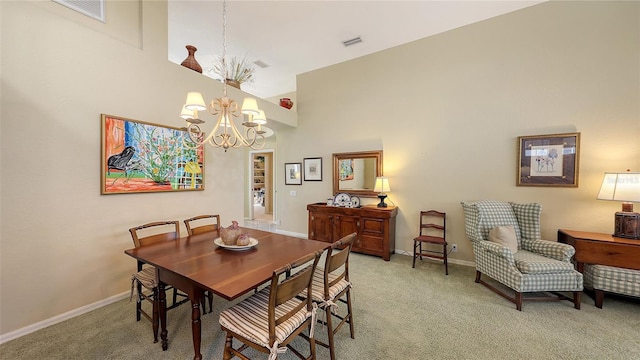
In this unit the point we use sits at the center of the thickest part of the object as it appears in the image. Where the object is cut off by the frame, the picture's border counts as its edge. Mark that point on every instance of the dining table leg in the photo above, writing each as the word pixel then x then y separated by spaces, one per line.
pixel 162 300
pixel 196 324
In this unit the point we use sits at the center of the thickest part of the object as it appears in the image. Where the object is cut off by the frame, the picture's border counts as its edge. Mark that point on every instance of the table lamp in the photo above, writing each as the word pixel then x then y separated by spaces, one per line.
pixel 381 187
pixel 623 187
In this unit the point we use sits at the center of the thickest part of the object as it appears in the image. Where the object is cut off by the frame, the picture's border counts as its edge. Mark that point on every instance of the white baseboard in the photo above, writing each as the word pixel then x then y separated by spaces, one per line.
pixel 62 317
pixel 449 260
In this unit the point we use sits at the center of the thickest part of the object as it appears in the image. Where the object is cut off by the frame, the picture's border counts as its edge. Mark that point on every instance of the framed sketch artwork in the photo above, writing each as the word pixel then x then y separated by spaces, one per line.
pixel 292 174
pixel 548 160
pixel 312 169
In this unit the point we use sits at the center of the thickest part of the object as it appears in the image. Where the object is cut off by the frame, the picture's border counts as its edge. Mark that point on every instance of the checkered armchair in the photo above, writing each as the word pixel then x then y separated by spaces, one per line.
pixel 538 266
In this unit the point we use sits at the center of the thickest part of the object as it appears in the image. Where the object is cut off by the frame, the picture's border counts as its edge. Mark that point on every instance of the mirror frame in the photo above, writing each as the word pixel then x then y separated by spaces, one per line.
pixel 375 154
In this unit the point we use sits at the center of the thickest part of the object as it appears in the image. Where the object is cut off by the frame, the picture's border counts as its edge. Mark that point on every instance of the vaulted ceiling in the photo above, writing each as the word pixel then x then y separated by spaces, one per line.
pixel 294 37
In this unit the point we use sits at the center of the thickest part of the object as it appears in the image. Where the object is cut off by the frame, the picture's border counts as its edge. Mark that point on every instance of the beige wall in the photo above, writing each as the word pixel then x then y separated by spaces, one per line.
pixel 447 111
pixel 62 243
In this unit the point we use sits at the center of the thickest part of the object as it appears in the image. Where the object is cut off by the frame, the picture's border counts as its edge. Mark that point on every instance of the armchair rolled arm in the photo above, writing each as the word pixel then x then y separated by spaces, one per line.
pixel 558 251
pixel 496 249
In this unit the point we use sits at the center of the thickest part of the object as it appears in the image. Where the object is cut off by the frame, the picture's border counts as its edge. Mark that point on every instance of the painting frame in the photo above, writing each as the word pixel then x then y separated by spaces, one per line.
pixel 312 169
pixel 548 160
pixel 292 173
pixel 143 157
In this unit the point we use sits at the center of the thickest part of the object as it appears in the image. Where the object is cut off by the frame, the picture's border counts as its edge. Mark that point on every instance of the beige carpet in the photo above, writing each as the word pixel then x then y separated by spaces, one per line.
pixel 400 313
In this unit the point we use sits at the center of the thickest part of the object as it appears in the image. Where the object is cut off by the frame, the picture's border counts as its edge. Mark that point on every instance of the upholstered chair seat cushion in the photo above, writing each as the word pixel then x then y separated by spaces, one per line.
pixel 250 318
pixel 317 289
pixel 531 263
pixel 612 279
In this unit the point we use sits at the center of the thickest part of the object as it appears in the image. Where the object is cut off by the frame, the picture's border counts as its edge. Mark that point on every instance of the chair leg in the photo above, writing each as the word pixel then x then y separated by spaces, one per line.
pixel 138 301
pixel 227 355
pixel 175 296
pixel 312 343
pixel 518 300
pixel 599 298
pixel 203 304
pixel 330 333
pixel 478 274
pixel 415 244
pixel 446 264
pixel 350 315
pixel 156 314
pixel 576 299
pixel 210 298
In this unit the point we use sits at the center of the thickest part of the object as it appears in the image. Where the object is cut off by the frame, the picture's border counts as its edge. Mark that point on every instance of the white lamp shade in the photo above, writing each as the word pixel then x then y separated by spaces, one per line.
pixel 261 118
pixel 250 106
pixel 382 185
pixel 186 113
pixel 195 101
pixel 620 187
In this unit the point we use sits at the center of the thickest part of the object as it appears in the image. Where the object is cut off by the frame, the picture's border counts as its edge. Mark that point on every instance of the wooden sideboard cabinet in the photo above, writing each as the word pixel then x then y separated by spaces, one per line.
pixel 376 227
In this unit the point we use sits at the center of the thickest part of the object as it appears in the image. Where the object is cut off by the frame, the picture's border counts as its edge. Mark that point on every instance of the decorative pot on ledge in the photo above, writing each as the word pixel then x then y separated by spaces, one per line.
pixel 191 62
pixel 234 83
pixel 286 103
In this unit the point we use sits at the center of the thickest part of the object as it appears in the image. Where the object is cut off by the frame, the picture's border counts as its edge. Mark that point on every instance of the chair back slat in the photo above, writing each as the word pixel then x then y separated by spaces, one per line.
pixel 432 222
pixel 338 259
pixel 283 290
pixel 194 229
pixel 139 240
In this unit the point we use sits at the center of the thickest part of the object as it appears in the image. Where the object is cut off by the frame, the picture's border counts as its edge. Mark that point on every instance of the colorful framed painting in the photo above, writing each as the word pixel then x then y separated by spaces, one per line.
pixel 345 167
pixel 548 160
pixel 312 169
pixel 141 157
pixel 292 174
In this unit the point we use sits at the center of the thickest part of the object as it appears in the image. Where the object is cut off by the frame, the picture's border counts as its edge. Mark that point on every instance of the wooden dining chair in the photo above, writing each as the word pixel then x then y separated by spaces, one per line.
pixel 202 223
pixel 270 319
pixel 330 285
pixel 433 229
pixel 199 225
pixel 146 277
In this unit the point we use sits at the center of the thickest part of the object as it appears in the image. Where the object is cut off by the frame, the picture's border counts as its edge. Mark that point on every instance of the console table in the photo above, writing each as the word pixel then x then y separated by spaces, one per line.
pixel 375 227
pixel 602 249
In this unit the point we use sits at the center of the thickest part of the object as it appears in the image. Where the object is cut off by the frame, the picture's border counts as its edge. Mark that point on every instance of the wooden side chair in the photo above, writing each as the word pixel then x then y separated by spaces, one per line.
pixel 433 226
pixel 202 223
pixel 146 276
pixel 331 284
pixel 270 319
pixel 198 225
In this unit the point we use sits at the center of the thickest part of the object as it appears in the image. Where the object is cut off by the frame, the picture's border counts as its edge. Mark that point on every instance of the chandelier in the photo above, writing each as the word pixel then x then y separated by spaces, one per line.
pixel 225 133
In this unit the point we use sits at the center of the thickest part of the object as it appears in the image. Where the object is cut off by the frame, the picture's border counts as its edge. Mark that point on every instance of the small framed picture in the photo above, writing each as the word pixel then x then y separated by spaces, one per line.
pixel 548 160
pixel 292 174
pixel 312 169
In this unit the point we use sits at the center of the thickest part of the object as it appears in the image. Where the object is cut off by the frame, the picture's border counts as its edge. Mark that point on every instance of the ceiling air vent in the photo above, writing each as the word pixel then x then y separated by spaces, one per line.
pixel 91 8
pixel 352 41
pixel 261 63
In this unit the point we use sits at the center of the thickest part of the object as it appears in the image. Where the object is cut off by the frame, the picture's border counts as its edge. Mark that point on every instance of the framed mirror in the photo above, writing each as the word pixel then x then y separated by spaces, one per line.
pixel 355 172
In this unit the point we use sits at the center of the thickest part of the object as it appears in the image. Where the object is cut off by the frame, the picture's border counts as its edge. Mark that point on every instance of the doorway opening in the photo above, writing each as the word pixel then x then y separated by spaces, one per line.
pixel 261 209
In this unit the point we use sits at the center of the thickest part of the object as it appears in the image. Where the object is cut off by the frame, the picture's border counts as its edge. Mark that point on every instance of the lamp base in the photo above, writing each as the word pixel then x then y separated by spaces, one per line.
pixel 382 204
pixel 627 225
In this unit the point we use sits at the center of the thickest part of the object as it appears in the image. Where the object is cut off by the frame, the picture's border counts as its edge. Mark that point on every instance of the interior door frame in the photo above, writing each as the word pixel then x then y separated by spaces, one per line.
pixel 271 170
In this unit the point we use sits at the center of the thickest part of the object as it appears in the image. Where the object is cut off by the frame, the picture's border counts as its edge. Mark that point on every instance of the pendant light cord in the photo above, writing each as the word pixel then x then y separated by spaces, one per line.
pixel 224 44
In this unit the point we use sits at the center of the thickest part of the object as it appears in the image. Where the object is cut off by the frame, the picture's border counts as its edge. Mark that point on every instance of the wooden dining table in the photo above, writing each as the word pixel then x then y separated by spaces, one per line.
pixel 194 264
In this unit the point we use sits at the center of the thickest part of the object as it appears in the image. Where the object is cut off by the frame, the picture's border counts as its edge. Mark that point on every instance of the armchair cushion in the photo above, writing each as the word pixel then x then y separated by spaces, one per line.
pixel 531 263
pixel 506 236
